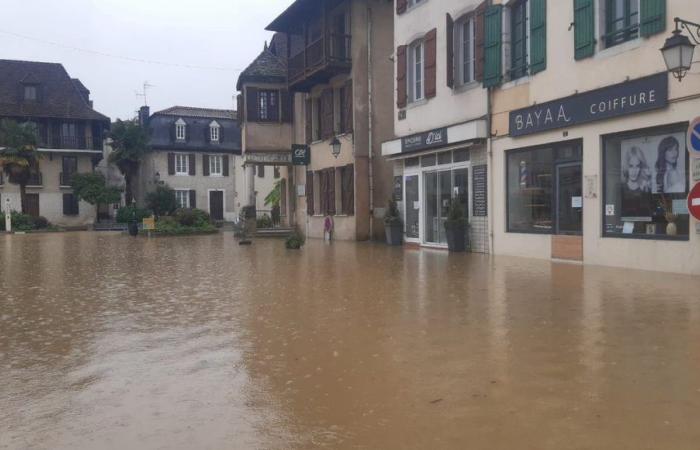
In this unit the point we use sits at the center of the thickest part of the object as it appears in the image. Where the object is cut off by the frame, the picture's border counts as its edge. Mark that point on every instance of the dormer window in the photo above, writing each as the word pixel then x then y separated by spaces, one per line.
pixel 180 130
pixel 30 93
pixel 214 129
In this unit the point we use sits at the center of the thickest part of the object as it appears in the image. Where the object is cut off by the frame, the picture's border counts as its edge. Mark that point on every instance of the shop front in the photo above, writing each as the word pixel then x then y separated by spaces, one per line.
pixel 432 169
pixel 600 177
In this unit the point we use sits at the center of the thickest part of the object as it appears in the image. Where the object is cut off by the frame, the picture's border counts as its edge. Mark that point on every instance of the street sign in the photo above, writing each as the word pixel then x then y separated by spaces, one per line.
pixel 694 137
pixel 694 201
pixel 301 155
pixel 149 223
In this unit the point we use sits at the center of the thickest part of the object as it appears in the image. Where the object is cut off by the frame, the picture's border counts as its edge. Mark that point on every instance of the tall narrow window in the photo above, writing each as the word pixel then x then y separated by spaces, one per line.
pixel 182 198
pixel 180 130
pixel 214 132
pixel 268 106
pixel 182 164
pixel 466 51
pixel 519 44
pixel 215 165
pixel 30 92
pixel 621 21
pixel 415 71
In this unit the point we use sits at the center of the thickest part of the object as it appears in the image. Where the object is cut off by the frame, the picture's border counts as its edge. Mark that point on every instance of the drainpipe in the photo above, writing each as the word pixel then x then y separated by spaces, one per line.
pixel 489 150
pixel 370 127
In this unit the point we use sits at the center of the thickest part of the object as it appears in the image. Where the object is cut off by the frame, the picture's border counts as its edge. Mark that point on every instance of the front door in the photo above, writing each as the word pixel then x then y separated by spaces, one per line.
pixel 412 207
pixel 440 188
pixel 216 205
pixel 569 207
pixel 32 205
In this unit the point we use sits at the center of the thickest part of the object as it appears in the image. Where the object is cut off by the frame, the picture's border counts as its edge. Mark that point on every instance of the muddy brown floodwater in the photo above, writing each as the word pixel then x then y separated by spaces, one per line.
pixel 108 342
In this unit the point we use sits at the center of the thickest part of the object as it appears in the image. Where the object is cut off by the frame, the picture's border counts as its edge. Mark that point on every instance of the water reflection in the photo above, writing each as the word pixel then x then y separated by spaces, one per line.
pixel 112 342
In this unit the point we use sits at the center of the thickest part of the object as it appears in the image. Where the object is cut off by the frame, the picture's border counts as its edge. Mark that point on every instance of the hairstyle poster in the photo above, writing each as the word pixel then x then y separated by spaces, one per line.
pixel 654 164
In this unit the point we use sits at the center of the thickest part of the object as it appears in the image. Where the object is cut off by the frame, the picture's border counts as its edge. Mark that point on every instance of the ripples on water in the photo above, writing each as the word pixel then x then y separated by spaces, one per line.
pixel 113 342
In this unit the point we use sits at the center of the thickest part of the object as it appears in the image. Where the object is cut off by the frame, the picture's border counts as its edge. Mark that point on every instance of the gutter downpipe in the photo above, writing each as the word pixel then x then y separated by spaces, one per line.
pixel 489 150
pixel 370 111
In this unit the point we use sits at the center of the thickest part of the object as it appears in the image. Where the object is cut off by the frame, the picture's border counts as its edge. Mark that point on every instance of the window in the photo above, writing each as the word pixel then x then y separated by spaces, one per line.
pixel 465 51
pixel 347 190
pixel 182 164
pixel 180 130
pixel 261 171
pixel 69 168
pixel 318 112
pixel 30 93
pixel 215 165
pixel 276 172
pixel 621 21
pixel 326 185
pixel 214 132
pixel 519 39
pixel 182 197
pixel 646 184
pixel 70 205
pixel 268 106
pixel 416 54
pixel 532 191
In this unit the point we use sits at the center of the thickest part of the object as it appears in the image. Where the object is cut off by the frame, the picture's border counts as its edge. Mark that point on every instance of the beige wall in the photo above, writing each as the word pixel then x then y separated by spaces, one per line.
pixel 51 194
pixel 260 136
pixel 563 77
pixel 450 106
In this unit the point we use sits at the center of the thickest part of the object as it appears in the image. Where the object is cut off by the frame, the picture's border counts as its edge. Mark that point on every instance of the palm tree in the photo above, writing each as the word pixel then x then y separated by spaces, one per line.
pixel 129 146
pixel 19 156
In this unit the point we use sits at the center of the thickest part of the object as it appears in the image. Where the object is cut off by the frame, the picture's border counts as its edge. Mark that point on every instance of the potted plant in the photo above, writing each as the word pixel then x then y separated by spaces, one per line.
pixel 456 227
pixel 393 224
pixel 295 241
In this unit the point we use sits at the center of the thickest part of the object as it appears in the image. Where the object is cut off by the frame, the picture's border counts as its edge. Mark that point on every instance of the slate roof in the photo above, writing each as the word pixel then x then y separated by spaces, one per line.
pixel 161 127
pixel 59 94
pixel 266 68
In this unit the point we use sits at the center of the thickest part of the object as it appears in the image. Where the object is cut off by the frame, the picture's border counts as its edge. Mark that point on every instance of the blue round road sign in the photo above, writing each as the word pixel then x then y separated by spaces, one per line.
pixel 694 136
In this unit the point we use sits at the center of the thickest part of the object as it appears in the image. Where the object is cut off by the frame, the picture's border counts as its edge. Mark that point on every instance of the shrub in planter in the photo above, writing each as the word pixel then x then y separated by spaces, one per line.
pixel 41 223
pixel 162 201
pixel 393 224
pixel 295 241
pixel 456 226
pixel 192 217
pixel 264 222
pixel 125 214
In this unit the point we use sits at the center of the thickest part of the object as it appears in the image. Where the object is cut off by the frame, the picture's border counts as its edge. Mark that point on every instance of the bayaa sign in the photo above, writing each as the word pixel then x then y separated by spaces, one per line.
pixel 694 201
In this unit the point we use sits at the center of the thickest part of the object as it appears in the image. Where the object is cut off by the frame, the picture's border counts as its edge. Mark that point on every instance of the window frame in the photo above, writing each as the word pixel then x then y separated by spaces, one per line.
pixel 460 25
pixel 186 194
pixel 216 162
pixel 630 30
pixel 214 132
pixel 655 130
pixel 74 205
pixel 522 7
pixel 182 159
pixel 180 130
pixel 416 69
pixel 30 87
pixel 268 105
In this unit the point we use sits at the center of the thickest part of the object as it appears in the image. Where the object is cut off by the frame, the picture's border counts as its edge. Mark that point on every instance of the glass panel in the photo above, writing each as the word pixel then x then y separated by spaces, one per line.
pixel 427 161
pixel 646 184
pixel 445 198
pixel 530 191
pixel 430 182
pixel 569 199
pixel 412 207
pixel 461 155
pixel 461 188
pixel 445 158
pixel 411 162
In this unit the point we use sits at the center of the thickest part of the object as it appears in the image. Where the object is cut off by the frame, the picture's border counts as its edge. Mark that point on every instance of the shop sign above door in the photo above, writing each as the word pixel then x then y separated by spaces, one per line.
pixel 424 141
pixel 630 97
pixel 301 155
pixel 272 158
pixel 694 137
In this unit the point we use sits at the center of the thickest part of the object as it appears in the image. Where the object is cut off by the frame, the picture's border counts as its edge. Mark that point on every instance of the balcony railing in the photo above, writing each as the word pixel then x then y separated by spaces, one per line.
pixel 65 178
pixel 35 179
pixel 71 143
pixel 327 56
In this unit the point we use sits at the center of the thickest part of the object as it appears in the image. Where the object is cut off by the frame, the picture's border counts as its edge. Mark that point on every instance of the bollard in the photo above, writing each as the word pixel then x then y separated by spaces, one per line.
pixel 8 216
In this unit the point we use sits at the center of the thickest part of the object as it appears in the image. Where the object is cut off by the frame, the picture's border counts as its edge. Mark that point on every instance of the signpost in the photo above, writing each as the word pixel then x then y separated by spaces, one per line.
pixel 694 202
pixel 8 215
pixel 149 224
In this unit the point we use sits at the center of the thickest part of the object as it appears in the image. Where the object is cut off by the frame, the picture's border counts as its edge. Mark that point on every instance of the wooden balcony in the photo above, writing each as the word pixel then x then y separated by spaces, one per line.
pixel 320 61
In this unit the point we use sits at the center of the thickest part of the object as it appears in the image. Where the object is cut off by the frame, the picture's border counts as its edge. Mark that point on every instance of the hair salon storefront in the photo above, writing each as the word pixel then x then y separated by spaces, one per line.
pixel 601 177
pixel 431 169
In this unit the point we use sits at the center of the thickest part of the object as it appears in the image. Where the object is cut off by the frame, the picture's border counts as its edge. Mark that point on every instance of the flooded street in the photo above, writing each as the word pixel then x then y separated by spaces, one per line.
pixel 108 342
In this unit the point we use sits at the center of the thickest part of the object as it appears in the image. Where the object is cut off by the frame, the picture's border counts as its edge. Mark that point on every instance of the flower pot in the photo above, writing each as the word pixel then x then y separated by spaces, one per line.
pixel 671 229
pixel 457 238
pixel 394 233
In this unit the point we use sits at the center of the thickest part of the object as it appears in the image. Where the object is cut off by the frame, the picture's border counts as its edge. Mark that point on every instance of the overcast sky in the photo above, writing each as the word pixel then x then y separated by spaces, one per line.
pixel 220 36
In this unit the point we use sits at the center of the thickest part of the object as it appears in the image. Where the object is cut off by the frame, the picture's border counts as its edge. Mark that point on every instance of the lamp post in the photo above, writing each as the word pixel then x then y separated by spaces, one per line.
pixel 335 147
pixel 678 49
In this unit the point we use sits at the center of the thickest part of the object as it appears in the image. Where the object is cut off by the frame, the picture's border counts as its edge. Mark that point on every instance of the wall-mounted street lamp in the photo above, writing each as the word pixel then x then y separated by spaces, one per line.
pixel 335 147
pixel 678 49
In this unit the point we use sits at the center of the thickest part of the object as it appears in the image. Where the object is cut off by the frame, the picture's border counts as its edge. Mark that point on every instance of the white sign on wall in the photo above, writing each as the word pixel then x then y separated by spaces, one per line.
pixel 301 190
pixel 696 169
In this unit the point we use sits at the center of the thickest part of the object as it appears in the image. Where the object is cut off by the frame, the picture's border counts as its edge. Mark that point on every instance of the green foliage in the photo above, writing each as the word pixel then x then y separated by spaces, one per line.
pixel 392 215
pixel 162 201
pixel 126 213
pixel 295 241
pixel 264 222
pixel 20 154
pixel 129 147
pixel 192 217
pixel 273 198
pixel 92 188
pixel 24 222
pixel 455 215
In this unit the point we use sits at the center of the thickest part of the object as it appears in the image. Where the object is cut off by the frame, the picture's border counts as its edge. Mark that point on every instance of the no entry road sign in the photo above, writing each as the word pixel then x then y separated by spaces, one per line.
pixel 694 201
pixel 694 137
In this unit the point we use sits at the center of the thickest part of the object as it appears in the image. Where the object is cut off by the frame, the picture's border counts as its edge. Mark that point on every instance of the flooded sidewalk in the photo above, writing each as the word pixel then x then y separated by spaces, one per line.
pixel 108 342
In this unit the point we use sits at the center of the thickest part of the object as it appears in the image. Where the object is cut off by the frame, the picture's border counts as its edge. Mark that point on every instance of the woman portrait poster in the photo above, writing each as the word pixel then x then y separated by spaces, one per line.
pixel 665 157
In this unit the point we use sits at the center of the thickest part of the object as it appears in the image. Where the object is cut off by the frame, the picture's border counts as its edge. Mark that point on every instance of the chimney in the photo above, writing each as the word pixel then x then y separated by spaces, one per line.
pixel 144 114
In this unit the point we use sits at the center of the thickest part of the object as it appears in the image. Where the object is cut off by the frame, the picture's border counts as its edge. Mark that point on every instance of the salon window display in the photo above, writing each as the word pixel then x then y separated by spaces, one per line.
pixel 646 184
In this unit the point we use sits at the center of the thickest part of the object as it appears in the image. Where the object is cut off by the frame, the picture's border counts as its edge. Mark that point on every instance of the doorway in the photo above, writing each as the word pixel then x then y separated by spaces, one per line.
pixel 412 207
pixel 32 205
pixel 569 199
pixel 216 205
pixel 440 188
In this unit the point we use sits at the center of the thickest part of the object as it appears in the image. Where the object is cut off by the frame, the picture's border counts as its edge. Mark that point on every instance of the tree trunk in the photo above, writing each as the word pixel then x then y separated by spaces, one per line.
pixel 97 212
pixel 23 197
pixel 128 196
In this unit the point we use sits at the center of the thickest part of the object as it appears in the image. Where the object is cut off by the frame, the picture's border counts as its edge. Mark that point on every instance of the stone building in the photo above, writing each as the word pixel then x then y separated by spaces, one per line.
pixel 70 138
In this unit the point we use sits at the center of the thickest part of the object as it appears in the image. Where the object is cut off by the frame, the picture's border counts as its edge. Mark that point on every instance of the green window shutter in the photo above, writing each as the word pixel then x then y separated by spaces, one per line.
pixel 492 46
pixel 538 35
pixel 584 29
pixel 652 17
